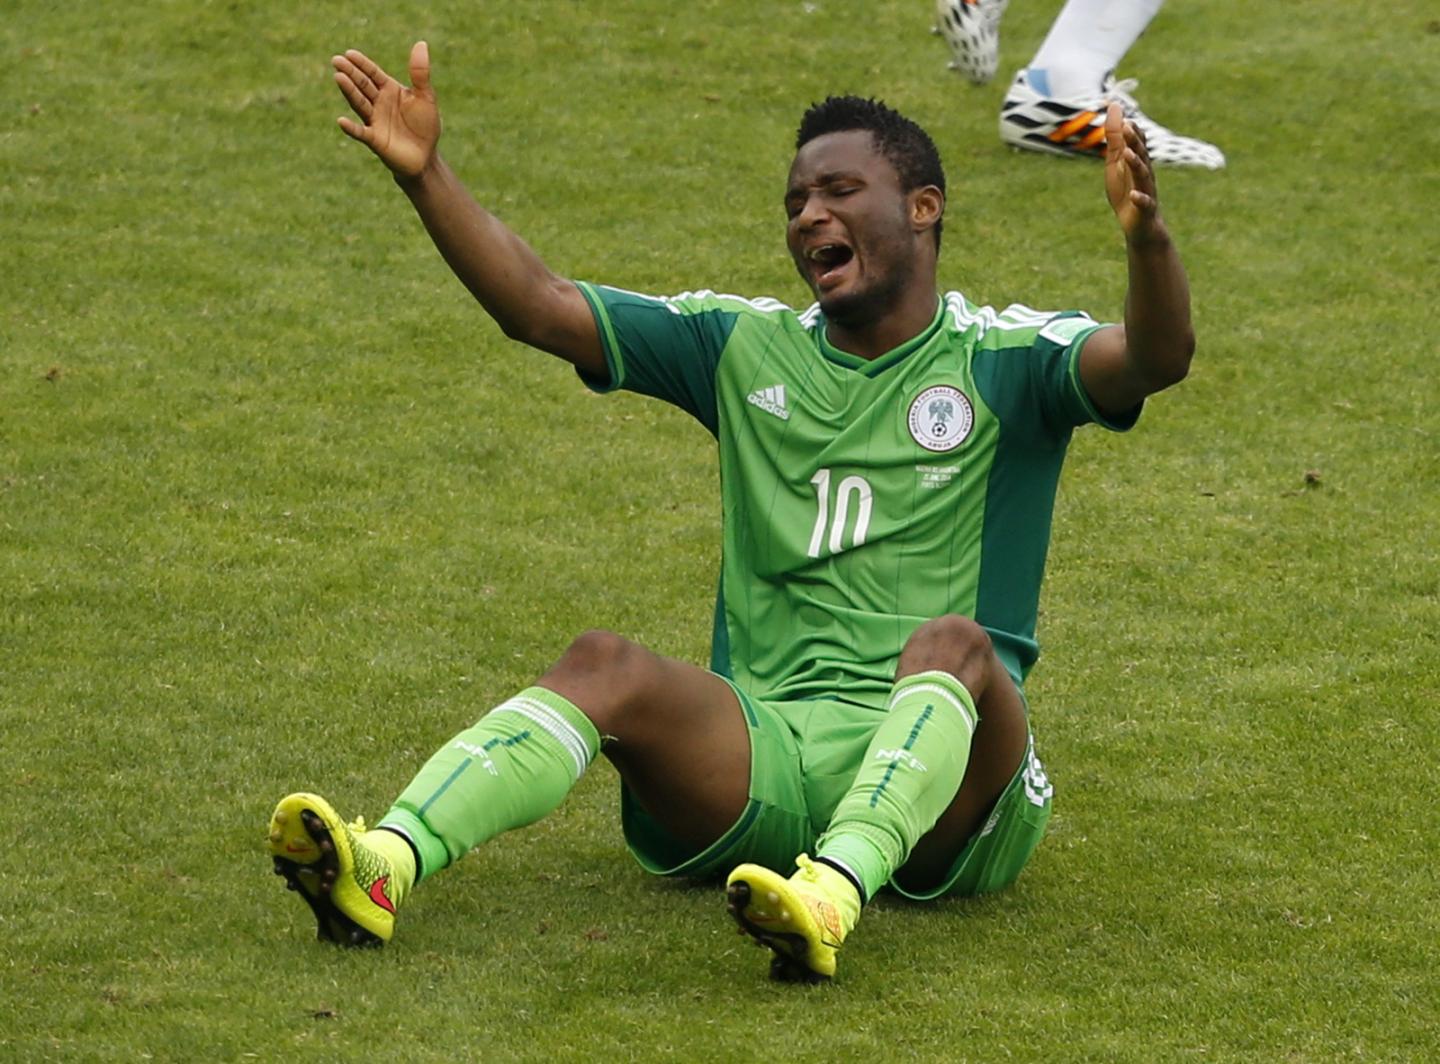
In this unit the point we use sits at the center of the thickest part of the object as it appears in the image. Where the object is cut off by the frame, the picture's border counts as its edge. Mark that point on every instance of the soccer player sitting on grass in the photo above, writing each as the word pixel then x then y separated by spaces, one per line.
pixel 888 464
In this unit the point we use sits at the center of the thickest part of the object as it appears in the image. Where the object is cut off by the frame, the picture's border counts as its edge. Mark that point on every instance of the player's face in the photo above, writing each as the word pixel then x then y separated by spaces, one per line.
pixel 850 232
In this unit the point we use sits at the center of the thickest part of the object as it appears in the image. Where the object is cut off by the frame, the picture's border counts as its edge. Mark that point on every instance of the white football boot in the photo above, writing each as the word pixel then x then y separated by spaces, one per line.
pixel 1077 127
pixel 972 30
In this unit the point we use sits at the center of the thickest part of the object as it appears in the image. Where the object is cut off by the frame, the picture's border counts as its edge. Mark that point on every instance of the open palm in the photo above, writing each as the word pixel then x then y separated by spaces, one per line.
pixel 399 124
pixel 1129 179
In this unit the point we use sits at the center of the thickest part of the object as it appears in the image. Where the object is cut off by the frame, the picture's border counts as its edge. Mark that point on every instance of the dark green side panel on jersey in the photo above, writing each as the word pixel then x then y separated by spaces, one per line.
pixel 1026 470
pixel 720 637
pixel 1020 493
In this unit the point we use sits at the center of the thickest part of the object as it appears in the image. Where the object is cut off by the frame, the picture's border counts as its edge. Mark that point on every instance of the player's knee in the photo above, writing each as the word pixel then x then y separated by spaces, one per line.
pixel 955 632
pixel 610 679
pixel 597 655
pixel 951 642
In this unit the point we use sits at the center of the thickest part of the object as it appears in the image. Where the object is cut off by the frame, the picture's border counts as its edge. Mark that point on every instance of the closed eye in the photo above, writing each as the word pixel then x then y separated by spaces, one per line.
pixel 795 204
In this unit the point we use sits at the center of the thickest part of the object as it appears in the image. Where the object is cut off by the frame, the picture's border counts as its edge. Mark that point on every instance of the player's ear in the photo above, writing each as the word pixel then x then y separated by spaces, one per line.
pixel 927 207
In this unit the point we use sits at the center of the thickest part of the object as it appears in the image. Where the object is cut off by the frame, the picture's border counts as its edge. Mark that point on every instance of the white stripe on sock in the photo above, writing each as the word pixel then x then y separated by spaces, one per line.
pixel 559 729
pixel 935 689
pixel 562 729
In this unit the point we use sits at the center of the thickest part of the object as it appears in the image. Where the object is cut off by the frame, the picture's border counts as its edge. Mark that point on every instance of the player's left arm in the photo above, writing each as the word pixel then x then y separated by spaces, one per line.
pixel 1121 365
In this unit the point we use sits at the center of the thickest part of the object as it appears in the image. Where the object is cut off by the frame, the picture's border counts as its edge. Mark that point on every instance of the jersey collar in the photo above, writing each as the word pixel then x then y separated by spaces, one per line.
pixel 876 366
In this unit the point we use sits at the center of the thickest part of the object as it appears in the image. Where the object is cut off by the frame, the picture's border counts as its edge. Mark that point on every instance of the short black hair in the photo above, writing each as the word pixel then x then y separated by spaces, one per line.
pixel 901 141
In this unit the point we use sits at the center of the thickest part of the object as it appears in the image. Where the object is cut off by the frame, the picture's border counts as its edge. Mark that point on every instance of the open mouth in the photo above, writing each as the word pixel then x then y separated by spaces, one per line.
pixel 827 261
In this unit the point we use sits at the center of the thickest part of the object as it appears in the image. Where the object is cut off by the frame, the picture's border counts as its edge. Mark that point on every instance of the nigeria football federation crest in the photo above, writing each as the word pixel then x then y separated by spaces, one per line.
pixel 941 418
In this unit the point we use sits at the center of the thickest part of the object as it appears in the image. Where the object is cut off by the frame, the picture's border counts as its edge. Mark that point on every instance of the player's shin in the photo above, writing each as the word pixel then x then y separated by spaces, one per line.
pixel 515 765
pixel 912 770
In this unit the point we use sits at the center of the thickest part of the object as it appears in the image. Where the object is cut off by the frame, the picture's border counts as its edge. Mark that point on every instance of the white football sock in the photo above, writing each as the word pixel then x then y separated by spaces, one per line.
pixel 1087 41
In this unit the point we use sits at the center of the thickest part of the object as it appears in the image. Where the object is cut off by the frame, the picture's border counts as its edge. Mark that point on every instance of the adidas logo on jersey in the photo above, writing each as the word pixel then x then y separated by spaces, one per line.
pixel 771 400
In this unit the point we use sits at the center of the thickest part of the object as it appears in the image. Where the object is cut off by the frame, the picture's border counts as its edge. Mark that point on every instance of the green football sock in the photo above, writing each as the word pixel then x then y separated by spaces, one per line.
pixel 517 763
pixel 912 769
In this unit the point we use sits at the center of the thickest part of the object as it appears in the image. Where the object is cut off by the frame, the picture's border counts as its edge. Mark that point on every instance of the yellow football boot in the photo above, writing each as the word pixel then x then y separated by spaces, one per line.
pixel 353 880
pixel 803 919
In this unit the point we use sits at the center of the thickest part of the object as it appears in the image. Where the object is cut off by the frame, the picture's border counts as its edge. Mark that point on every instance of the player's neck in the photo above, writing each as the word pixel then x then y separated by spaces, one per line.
pixel 871 339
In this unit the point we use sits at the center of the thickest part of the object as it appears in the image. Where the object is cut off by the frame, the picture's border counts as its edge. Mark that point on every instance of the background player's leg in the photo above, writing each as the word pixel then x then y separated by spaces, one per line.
pixel 1057 103
pixel 1087 41
pixel 953 738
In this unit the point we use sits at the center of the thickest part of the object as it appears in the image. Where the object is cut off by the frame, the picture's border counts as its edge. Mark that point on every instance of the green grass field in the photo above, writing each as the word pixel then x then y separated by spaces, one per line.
pixel 281 509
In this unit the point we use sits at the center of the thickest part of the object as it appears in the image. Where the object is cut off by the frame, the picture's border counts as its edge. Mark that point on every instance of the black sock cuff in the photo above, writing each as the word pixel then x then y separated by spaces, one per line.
pixel 849 875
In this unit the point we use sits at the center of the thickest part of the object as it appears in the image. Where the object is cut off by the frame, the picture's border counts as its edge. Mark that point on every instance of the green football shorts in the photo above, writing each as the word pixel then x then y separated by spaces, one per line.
pixel 803 758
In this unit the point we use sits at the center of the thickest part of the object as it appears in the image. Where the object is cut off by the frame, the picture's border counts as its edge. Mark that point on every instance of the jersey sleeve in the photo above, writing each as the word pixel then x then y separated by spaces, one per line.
pixel 1061 341
pixel 1032 363
pixel 667 347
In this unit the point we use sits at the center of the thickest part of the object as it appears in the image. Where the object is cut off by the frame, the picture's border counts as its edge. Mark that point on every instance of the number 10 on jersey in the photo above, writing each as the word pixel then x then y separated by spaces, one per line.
pixel 852 490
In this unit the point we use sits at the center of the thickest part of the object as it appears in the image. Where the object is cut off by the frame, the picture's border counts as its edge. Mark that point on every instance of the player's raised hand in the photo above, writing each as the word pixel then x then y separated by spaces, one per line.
pixel 1129 178
pixel 401 125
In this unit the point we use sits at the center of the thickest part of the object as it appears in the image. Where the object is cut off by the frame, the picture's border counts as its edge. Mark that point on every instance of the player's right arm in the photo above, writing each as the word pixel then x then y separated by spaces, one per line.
pixel 528 300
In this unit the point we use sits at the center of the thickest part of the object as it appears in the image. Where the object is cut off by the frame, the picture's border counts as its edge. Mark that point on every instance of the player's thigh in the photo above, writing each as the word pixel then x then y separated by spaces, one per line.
pixel 684 753
pixel 779 820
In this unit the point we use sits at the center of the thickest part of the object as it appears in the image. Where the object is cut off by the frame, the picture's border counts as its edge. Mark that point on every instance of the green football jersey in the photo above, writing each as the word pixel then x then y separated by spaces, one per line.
pixel 861 499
